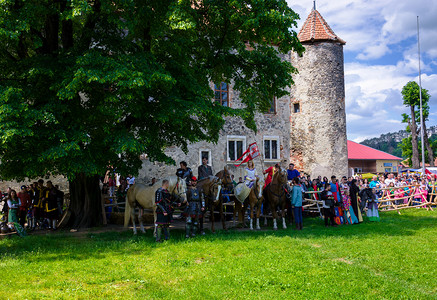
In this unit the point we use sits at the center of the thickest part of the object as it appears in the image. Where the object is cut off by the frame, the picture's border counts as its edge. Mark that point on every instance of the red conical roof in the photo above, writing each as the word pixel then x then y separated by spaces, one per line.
pixel 315 28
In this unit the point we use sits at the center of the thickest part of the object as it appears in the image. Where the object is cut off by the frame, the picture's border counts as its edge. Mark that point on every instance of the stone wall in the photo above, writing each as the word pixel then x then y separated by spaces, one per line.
pixel 318 132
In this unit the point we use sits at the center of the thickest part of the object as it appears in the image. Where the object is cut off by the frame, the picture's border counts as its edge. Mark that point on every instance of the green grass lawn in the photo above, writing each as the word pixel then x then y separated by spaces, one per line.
pixel 396 258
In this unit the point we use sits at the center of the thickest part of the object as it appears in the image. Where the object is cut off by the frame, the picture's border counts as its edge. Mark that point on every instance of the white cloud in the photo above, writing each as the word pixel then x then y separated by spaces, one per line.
pixel 384 31
pixel 370 27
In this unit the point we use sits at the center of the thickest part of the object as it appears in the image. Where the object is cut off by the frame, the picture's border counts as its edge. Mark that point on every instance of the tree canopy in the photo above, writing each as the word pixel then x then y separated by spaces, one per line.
pixel 411 98
pixel 87 84
pixel 411 146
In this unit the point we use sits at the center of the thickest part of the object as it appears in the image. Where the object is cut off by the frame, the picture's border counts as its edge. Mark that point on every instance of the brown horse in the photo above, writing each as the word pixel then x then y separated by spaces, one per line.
pixel 254 200
pixel 226 182
pixel 210 187
pixel 275 195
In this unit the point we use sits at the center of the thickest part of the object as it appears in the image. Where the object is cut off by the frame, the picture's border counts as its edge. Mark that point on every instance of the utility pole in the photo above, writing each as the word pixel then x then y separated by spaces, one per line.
pixel 420 95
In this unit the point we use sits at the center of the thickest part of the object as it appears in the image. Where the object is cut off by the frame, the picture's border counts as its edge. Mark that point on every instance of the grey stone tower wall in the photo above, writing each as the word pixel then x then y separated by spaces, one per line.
pixel 318 143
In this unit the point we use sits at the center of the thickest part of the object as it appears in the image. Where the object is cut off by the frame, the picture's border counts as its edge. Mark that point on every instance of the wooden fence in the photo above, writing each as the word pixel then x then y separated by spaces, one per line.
pixel 313 205
pixel 386 202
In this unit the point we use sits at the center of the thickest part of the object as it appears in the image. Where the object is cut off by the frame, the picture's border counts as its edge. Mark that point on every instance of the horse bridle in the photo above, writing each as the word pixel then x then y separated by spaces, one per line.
pixel 211 189
pixel 274 194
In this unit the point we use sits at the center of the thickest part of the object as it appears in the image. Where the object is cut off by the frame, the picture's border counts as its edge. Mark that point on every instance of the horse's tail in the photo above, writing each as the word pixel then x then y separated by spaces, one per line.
pixel 128 208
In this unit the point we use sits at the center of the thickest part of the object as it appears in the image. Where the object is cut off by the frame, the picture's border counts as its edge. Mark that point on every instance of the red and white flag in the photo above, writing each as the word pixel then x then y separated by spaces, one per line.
pixel 251 153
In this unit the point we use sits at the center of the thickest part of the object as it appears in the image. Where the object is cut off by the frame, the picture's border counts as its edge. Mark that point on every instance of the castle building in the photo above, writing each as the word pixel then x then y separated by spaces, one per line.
pixel 306 127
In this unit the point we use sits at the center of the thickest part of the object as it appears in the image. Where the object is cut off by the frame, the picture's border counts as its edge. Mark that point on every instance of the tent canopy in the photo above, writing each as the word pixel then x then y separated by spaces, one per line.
pixel 368 175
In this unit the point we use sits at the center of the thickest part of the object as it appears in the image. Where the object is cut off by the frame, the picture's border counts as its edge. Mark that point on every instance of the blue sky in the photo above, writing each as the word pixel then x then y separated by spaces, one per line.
pixel 380 57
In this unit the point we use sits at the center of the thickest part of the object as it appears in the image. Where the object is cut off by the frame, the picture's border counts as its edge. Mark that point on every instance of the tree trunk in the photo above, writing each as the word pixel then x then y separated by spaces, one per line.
pixel 85 202
pixel 428 146
pixel 413 127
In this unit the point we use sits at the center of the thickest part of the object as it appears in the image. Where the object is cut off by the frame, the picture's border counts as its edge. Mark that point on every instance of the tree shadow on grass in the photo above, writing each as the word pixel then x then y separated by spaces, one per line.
pixel 64 246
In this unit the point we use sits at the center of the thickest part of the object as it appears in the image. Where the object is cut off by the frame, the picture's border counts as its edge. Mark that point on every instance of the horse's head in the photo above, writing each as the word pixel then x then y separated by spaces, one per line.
pixel 259 187
pixel 180 191
pixel 215 189
pixel 280 177
pixel 225 177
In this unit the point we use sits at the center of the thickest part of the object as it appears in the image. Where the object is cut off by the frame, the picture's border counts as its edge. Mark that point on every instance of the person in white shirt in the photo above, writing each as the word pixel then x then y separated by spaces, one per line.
pixel 390 179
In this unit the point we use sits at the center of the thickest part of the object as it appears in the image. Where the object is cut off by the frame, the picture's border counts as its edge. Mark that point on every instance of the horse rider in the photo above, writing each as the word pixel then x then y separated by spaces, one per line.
pixel 204 171
pixel 250 174
pixel 292 172
pixel 195 209
pixel 164 211
pixel 270 172
pixel 184 172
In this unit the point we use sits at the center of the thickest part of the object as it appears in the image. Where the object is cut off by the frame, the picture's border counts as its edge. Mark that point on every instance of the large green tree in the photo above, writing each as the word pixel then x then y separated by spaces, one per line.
pixel 89 84
pixel 410 146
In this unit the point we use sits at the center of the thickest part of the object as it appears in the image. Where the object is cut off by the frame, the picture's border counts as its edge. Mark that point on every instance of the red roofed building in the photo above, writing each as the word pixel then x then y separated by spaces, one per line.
pixel 315 29
pixel 364 159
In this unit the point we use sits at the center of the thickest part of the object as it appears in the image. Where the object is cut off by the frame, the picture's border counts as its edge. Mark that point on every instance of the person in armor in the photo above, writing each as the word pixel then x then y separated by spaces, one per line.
pixel 195 209
pixel 164 211
pixel 184 172
pixel 204 171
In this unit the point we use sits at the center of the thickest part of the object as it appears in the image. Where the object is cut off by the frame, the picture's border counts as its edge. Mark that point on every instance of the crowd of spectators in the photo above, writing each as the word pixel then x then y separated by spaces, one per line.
pixel 35 206
pixel 350 192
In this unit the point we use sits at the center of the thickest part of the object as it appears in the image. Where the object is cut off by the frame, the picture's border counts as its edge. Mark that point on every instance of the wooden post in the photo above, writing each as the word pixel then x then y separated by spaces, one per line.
pixel 105 222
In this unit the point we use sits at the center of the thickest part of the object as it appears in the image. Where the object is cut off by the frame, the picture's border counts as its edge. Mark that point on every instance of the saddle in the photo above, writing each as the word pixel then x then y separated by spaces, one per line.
pixel 241 192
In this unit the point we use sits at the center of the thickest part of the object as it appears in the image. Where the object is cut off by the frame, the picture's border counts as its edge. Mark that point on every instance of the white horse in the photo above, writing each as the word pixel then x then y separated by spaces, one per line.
pixel 145 196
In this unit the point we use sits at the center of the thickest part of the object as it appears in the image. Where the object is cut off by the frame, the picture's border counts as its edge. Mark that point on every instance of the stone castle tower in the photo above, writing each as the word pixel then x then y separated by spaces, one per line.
pixel 306 127
pixel 318 142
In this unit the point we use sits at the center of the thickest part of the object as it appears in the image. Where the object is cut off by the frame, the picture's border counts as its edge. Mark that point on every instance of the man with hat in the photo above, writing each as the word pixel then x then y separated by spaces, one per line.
pixel 195 209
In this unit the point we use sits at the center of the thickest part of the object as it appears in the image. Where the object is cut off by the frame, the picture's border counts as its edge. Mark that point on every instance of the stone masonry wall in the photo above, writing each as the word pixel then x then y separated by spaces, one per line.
pixel 318 132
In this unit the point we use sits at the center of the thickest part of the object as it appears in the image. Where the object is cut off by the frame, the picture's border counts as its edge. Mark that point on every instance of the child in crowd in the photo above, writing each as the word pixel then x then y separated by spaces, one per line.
pixel 424 195
pixel 372 207
pixel 328 205
pixel 417 194
pixel 400 194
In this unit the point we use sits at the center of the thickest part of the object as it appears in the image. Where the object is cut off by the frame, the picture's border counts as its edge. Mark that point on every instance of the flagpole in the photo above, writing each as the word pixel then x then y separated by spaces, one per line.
pixel 421 109
pixel 261 154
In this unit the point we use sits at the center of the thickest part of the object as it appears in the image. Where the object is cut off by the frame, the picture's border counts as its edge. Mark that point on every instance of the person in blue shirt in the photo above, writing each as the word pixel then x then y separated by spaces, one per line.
pixel 296 202
pixel 292 172
pixel 374 182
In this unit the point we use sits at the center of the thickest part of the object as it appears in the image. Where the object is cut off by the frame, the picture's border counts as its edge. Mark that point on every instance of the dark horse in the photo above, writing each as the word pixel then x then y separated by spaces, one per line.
pixel 226 180
pixel 274 193
pixel 211 187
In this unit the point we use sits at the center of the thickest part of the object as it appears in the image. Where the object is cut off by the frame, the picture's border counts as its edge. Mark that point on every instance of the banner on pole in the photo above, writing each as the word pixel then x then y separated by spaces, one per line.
pixel 251 153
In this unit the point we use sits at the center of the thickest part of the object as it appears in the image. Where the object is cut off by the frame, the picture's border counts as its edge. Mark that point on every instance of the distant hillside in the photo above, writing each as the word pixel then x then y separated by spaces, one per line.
pixel 389 142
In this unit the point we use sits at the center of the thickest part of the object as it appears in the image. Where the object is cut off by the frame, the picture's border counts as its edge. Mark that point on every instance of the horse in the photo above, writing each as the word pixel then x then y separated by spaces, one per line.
pixel 211 187
pixel 144 196
pixel 226 182
pixel 275 195
pixel 255 199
